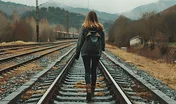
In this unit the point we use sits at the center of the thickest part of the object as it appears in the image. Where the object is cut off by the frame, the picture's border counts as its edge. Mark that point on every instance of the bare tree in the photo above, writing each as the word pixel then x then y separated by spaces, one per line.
pixel 117 30
pixel 31 21
pixel 170 25
pixel 15 17
pixel 3 27
pixel 44 30
pixel 151 27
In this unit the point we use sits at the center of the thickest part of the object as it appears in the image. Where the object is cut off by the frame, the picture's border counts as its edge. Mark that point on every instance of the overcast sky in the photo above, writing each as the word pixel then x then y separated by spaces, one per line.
pixel 110 6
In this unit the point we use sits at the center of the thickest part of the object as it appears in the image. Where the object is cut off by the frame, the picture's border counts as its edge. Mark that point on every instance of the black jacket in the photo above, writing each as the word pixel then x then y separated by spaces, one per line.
pixel 81 40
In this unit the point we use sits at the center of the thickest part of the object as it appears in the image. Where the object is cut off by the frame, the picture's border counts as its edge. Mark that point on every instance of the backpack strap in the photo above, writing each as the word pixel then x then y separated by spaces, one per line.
pixel 96 34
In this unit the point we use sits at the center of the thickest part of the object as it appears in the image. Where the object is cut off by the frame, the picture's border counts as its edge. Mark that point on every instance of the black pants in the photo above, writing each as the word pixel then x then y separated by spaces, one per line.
pixel 90 65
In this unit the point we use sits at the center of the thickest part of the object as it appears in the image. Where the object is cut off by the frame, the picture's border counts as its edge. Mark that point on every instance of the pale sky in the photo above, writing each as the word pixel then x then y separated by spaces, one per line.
pixel 110 6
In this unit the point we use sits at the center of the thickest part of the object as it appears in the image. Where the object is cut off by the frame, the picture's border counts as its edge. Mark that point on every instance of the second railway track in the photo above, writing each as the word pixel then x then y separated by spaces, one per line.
pixel 12 79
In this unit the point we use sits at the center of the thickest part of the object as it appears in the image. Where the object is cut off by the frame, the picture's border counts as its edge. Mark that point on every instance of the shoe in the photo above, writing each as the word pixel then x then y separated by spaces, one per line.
pixel 93 89
pixel 89 93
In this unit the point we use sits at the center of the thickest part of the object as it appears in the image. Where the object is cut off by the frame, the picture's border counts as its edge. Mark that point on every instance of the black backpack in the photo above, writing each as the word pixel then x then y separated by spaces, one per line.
pixel 93 43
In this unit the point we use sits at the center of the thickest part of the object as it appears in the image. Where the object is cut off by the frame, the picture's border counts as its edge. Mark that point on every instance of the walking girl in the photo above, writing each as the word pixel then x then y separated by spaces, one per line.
pixel 91 43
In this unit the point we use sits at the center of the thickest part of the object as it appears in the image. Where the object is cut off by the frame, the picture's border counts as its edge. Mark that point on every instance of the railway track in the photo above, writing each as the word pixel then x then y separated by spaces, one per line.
pixel 34 48
pixel 16 75
pixel 19 50
pixel 63 83
pixel 39 82
pixel 10 63
pixel 137 90
pixel 69 88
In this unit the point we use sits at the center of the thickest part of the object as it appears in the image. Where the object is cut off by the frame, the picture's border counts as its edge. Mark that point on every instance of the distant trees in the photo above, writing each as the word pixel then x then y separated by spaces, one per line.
pixel 156 30
pixel 15 17
pixel 117 32
pixel 57 16
pixel 15 28
pixel 150 27
pixel 3 26
pixel 170 26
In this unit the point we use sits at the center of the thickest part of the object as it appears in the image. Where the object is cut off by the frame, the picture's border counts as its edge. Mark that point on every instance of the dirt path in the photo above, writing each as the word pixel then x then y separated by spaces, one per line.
pixel 158 69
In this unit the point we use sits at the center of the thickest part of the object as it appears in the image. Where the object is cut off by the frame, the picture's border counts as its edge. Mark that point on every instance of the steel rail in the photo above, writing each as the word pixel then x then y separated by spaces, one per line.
pixel 45 98
pixel 123 99
pixel 121 95
pixel 22 63
pixel 22 54
pixel 162 97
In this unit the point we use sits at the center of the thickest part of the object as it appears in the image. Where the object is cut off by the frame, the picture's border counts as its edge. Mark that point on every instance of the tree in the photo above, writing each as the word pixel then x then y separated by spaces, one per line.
pixel 117 30
pixel 150 20
pixel 4 26
pixel 15 17
pixel 170 25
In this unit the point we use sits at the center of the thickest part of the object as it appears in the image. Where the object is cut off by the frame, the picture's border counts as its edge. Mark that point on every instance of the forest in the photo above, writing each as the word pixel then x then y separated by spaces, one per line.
pixel 23 27
pixel 16 27
pixel 58 16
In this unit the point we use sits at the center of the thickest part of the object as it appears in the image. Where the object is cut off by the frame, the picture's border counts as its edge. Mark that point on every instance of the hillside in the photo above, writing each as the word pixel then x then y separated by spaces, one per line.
pixel 103 15
pixel 159 6
pixel 169 10
pixel 57 16
pixel 9 7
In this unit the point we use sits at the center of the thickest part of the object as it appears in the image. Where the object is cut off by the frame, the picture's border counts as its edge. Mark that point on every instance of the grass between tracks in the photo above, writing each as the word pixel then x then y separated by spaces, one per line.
pixel 15 43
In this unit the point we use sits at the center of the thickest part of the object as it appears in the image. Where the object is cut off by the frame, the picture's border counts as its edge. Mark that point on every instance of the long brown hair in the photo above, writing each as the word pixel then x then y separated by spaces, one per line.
pixel 91 21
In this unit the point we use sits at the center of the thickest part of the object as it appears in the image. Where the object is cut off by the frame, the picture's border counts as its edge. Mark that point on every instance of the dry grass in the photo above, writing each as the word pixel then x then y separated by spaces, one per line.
pixel 81 84
pixel 145 94
pixel 99 93
pixel 157 68
pixel 16 43
pixel 100 78
pixel 29 93
pixel 6 65
pixel 7 76
pixel 9 52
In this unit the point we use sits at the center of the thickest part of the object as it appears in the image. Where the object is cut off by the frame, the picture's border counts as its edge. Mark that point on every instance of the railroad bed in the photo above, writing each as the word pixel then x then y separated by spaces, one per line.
pixel 19 69
pixel 62 82
pixel 65 85
pixel 72 88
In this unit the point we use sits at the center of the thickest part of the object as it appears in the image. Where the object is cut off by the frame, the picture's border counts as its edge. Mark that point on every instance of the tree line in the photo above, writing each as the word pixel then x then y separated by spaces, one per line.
pixel 57 16
pixel 23 27
pixel 14 28
pixel 151 28
pixel 156 31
